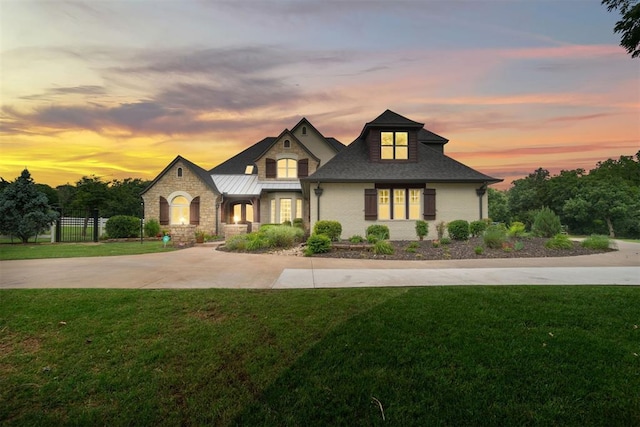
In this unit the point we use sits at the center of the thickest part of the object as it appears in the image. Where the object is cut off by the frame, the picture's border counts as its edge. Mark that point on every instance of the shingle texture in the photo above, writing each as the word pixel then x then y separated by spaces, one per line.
pixel 352 165
pixel 238 163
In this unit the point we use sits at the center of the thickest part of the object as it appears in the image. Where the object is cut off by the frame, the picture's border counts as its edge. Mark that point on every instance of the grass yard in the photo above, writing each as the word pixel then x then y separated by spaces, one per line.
pixel 454 356
pixel 69 250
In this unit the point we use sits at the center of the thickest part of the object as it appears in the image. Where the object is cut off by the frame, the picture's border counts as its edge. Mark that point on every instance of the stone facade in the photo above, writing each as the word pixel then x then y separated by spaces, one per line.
pixel 189 185
pixel 277 151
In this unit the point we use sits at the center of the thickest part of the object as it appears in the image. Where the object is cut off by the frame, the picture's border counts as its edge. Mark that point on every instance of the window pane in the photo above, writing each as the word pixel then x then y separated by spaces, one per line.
pixel 402 153
pixel 402 138
pixel 249 213
pixel 179 215
pixel 386 152
pixel 287 168
pixel 386 138
pixel 414 204
pixel 399 204
pixel 179 200
pixel 384 207
pixel 298 208
pixel 285 210
pixel 273 211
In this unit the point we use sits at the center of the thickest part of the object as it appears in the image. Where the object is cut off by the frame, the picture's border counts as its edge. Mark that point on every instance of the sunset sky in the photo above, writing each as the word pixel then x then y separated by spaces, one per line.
pixel 118 89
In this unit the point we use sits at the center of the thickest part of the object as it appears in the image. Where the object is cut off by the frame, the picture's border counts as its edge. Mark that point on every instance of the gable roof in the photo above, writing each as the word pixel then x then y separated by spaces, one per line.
pixel 428 137
pixel 292 136
pixel 197 170
pixel 391 118
pixel 333 143
pixel 238 163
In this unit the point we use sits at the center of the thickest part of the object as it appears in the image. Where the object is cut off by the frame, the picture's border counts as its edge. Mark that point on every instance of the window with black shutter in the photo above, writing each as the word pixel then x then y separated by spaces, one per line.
pixel 164 211
pixel 303 168
pixel 370 204
pixel 194 211
pixel 429 210
pixel 270 168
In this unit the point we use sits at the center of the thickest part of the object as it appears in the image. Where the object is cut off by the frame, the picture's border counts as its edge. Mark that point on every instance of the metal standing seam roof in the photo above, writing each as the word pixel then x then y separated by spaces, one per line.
pixel 250 185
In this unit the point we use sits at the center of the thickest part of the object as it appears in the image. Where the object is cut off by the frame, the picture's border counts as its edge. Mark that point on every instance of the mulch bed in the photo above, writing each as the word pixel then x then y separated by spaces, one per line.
pixel 424 250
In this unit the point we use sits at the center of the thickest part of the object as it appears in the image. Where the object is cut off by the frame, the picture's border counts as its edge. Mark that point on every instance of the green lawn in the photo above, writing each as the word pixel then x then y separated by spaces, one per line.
pixel 69 250
pixel 497 356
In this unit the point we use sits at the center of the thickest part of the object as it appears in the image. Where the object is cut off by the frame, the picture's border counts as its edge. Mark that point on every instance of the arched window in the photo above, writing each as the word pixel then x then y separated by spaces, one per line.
pixel 287 143
pixel 304 130
pixel 179 208
pixel 179 173
pixel 287 168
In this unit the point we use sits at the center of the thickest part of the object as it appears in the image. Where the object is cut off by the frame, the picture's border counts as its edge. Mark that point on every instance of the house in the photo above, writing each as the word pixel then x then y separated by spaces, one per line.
pixel 394 173
pixel 259 185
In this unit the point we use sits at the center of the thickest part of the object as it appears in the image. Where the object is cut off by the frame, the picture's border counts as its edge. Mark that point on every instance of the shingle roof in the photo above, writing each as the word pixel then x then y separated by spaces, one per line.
pixel 238 163
pixel 391 118
pixel 352 165
pixel 427 136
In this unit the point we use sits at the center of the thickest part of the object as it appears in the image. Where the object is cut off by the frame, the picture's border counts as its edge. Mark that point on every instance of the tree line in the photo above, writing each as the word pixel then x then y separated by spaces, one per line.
pixel 606 200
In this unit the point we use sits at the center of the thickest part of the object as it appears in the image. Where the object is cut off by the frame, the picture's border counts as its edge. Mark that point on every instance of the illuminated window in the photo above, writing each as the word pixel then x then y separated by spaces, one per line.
pixel 384 204
pixel 273 211
pixel 248 170
pixel 179 209
pixel 298 208
pixel 414 203
pixel 394 145
pixel 285 210
pixel 399 204
pixel 287 168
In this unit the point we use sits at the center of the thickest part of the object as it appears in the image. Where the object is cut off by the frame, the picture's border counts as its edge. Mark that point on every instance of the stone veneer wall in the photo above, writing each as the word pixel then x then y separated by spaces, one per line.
pixel 231 230
pixel 277 151
pixel 183 234
pixel 190 184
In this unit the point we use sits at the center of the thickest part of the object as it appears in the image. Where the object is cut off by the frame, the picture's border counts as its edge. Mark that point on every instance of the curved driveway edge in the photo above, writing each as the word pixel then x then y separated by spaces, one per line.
pixel 204 267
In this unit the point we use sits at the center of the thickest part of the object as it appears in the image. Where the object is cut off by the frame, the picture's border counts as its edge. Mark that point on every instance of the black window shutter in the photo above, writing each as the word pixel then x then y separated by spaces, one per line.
pixel 270 171
pixel 194 211
pixel 303 168
pixel 164 211
pixel 429 204
pixel 370 204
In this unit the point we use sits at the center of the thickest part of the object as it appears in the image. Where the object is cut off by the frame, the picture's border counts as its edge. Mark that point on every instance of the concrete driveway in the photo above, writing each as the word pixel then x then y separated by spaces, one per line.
pixel 204 267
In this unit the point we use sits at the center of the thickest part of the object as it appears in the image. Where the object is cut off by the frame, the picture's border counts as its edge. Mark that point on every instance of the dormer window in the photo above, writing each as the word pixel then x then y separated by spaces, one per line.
pixel 394 145
pixel 179 173
pixel 287 143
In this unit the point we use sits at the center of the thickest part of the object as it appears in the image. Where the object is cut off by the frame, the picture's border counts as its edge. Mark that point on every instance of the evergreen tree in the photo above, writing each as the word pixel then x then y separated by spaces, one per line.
pixel 24 211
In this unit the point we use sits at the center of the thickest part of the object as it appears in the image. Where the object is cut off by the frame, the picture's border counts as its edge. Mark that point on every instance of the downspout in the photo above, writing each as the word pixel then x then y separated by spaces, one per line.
pixel 481 192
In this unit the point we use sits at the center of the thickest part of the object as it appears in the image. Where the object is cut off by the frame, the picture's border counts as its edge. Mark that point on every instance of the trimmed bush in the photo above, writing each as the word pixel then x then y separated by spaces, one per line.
pixel 445 241
pixel 283 236
pixel 478 250
pixel 378 230
pixel 440 229
pixel 298 222
pixel 382 248
pixel 151 228
pixel 546 223
pixel 122 226
pixel 477 228
pixel 596 241
pixel 517 229
pixel 495 236
pixel 287 223
pixel 422 228
pixel 331 229
pixel 317 244
pixel 559 242
pixel 356 239
pixel 458 229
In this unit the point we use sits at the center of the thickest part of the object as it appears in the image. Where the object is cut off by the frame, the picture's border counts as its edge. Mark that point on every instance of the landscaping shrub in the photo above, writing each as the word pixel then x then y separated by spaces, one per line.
pixel 122 226
pixel 151 228
pixel 356 239
pixel 422 228
pixel 287 223
pixel 412 247
pixel 256 241
pixel 298 222
pixel 440 229
pixel 518 246
pixel 372 238
pixel 237 242
pixel 559 242
pixel 445 241
pixel 378 230
pixel 283 236
pixel 478 250
pixel 331 229
pixel 477 228
pixel 546 223
pixel 458 229
pixel 317 243
pixel 596 241
pixel 517 229
pixel 383 248
pixel 494 236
